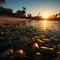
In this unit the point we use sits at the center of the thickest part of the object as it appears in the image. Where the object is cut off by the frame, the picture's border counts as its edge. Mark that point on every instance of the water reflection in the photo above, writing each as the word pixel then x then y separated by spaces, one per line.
pixel 45 25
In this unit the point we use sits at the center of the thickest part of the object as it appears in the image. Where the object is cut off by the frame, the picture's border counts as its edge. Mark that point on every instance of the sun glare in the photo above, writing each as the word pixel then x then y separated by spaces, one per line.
pixel 45 22
pixel 45 16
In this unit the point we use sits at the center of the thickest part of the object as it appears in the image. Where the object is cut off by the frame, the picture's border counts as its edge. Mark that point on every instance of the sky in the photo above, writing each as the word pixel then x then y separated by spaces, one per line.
pixel 49 7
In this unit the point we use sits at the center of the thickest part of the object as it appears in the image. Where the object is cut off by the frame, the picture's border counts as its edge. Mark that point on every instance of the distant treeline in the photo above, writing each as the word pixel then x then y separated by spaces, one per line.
pixel 22 14
pixel 9 12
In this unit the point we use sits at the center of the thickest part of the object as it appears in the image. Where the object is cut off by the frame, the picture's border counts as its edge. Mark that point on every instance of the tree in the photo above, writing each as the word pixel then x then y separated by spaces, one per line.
pixel 2 11
pixel 24 8
pixel 29 15
pixel 8 11
pixel 59 14
pixel 2 2
pixel 21 13
pixel 53 16
pixel 56 15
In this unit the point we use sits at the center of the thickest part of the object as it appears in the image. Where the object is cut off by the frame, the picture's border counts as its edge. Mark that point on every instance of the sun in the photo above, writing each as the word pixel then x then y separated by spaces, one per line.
pixel 45 16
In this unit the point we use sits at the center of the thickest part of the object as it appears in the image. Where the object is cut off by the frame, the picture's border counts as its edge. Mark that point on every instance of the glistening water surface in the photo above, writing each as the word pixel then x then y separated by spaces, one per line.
pixel 47 27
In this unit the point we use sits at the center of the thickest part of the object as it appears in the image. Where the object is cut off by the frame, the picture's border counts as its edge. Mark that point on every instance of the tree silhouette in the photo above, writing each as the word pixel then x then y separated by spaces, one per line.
pixel 8 11
pixel 2 10
pixel 29 15
pixel 24 8
pixel 2 2
pixel 18 13
pixel 59 14
pixel 21 13
pixel 56 15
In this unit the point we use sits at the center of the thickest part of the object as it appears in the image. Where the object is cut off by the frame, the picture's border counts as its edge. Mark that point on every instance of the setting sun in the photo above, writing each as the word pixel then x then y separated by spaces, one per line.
pixel 45 16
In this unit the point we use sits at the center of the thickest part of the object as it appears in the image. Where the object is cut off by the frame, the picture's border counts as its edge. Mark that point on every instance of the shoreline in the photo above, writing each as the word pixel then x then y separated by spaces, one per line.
pixel 16 19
